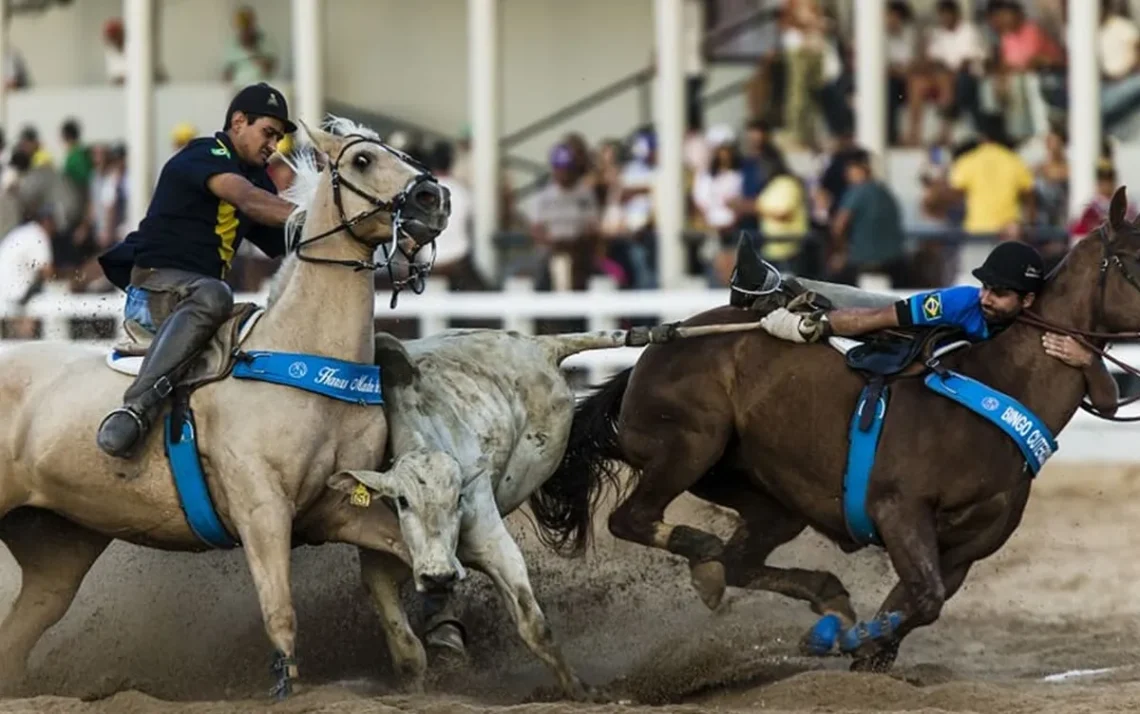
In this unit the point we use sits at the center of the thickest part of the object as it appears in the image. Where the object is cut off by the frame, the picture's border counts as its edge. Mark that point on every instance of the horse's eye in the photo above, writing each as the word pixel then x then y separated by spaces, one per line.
pixel 402 503
pixel 361 161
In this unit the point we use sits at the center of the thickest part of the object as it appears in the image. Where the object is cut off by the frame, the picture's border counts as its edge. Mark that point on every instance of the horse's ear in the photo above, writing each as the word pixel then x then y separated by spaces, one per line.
pixel 1118 210
pixel 396 366
pixel 326 143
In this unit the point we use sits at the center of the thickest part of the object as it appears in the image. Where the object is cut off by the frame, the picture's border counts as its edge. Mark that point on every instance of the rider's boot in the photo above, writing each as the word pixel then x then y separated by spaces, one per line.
pixel 751 276
pixel 179 339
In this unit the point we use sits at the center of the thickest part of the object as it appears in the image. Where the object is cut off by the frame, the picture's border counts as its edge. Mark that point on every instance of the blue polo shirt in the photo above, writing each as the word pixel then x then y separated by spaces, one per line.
pixel 960 306
pixel 189 228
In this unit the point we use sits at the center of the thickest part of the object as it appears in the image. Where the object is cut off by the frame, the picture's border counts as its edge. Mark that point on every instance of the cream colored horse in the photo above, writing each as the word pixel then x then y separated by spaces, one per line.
pixel 267 450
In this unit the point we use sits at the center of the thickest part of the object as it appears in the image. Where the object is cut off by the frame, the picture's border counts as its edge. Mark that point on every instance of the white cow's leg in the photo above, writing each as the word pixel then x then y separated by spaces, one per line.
pixel 382 574
pixel 485 544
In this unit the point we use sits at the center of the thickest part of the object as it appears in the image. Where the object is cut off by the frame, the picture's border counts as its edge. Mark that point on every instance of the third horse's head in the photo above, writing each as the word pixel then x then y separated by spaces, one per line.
pixel 1117 246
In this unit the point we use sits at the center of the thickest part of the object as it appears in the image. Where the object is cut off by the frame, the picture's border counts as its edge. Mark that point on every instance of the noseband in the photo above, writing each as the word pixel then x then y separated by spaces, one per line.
pixel 417 274
pixel 1109 259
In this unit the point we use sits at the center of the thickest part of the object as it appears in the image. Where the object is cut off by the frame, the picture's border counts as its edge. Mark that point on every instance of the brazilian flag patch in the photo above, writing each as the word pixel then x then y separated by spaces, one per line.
pixel 932 306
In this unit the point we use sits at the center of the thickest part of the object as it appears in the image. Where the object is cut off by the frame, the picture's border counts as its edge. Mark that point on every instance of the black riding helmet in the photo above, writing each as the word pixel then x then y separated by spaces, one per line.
pixel 1013 265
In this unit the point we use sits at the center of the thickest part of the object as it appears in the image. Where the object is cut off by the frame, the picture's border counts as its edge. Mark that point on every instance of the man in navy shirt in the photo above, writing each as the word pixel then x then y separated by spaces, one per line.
pixel 1011 277
pixel 210 196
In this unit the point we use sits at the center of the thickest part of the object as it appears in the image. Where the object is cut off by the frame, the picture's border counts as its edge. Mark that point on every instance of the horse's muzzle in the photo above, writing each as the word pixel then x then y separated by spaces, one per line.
pixel 426 211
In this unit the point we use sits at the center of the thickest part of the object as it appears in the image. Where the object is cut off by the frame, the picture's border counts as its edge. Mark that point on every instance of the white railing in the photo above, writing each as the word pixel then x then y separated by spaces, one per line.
pixel 518 306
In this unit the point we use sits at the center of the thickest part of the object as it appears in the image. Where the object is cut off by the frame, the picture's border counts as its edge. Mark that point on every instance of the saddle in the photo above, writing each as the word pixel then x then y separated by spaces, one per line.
pixel 213 363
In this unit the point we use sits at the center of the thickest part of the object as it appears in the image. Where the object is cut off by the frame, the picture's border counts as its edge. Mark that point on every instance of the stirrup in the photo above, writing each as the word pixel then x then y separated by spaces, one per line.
pixel 144 404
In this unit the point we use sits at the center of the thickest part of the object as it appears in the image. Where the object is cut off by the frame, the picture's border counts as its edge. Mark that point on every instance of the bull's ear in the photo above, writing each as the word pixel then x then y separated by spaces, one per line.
pixel 360 485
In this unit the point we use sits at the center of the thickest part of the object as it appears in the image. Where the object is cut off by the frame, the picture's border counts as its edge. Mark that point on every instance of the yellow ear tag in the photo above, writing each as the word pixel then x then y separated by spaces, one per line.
pixel 360 496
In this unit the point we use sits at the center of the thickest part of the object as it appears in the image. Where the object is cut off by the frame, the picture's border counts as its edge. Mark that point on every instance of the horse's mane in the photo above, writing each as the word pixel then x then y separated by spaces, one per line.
pixel 303 190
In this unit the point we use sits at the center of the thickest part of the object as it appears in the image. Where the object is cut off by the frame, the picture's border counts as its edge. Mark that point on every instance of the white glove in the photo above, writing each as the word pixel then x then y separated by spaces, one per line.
pixel 783 324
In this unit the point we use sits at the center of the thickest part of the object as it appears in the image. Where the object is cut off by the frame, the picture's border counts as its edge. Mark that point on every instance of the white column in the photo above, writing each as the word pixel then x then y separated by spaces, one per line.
pixel 483 104
pixel 308 62
pixel 871 80
pixel 10 135
pixel 1084 102
pixel 669 118
pixel 139 29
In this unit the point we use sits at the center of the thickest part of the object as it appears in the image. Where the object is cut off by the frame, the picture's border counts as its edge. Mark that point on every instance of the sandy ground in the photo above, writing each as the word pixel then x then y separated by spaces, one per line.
pixel 157 632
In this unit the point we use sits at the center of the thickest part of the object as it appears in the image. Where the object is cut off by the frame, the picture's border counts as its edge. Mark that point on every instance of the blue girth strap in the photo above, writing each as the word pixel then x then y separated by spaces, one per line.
pixel 346 381
pixel 190 482
pixel 1021 425
pixel 860 461
pixel 1030 434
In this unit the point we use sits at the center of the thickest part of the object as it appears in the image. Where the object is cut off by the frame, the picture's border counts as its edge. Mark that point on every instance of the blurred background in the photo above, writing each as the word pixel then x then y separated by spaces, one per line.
pixel 604 156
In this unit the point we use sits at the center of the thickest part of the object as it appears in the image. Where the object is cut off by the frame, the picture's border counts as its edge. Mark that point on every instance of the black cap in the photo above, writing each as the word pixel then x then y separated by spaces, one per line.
pixel 1013 266
pixel 262 100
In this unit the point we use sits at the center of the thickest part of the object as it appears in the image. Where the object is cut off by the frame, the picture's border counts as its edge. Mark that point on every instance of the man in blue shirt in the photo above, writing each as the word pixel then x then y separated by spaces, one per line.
pixel 210 196
pixel 1011 277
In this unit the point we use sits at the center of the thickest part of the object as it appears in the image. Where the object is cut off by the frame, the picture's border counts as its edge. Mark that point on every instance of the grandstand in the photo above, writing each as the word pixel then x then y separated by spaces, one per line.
pixel 669 120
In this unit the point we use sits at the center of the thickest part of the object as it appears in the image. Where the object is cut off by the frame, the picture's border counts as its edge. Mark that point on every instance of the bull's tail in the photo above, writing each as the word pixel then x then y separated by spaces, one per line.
pixel 562 346
pixel 564 505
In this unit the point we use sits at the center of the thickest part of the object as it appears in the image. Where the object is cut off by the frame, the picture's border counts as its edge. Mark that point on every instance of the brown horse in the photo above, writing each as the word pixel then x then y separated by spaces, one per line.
pixel 761 426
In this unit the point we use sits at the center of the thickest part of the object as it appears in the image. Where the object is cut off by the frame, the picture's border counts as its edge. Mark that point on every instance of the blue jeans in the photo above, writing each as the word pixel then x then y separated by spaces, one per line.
pixel 137 307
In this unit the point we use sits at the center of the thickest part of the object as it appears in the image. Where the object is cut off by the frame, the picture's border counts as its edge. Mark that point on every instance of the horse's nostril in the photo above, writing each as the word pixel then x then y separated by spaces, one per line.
pixel 428 199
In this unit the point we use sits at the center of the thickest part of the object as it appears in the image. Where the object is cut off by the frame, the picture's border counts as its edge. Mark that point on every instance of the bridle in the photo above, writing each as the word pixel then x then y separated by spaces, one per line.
pixel 1089 338
pixel 417 274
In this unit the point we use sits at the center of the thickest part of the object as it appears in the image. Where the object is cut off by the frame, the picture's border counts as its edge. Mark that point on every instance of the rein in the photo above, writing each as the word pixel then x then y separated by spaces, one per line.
pixel 417 274
pixel 1088 338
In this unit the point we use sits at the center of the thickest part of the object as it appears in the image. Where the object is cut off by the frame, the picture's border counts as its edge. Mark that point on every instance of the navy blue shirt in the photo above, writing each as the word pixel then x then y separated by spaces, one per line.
pixel 960 306
pixel 189 228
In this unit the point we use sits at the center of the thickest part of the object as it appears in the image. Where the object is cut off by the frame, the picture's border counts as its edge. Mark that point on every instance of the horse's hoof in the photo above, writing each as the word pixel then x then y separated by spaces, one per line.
pixel 709 580
pixel 878 661
pixel 822 637
pixel 874 664
pixel 286 670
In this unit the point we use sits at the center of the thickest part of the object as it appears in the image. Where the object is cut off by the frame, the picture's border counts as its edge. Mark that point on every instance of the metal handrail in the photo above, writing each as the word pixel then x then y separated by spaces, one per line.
pixel 641 80
pixel 636 79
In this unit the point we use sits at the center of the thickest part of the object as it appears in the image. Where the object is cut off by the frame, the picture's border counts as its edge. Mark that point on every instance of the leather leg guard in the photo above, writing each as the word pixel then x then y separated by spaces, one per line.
pixel 178 341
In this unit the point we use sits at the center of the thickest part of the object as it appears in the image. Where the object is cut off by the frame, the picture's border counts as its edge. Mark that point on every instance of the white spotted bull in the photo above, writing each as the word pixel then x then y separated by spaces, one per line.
pixel 478 419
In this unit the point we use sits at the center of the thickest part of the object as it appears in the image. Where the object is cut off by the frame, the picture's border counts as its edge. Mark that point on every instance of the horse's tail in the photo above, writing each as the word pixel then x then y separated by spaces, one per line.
pixel 563 506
